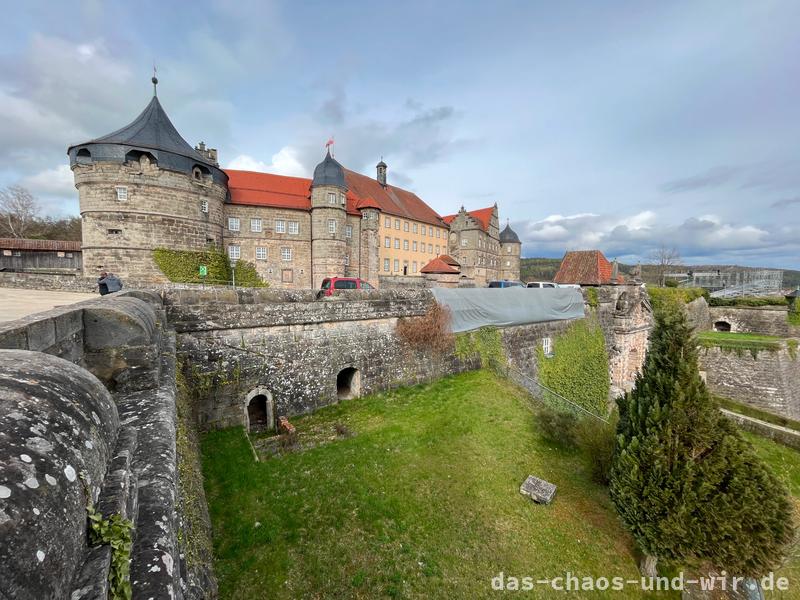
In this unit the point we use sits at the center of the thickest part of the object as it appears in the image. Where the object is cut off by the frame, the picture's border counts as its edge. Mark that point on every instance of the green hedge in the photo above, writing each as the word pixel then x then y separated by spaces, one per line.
pixel 578 368
pixel 183 266
pixel 748 301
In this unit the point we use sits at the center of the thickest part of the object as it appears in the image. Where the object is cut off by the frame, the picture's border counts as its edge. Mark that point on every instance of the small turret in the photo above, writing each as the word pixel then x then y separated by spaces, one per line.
pixel 381 167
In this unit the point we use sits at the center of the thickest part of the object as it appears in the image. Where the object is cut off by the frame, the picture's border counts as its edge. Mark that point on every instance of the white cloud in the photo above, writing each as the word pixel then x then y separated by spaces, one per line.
pixel 285 162
pixel 51 182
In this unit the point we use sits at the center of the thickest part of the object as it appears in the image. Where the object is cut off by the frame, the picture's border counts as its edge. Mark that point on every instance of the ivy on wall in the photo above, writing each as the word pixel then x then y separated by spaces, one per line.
pixel 578 366
pixel 485 343
pixel 183 266
pixel 591 297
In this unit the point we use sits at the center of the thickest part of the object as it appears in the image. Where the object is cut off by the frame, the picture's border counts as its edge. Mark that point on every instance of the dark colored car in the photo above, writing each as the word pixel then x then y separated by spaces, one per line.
pixel 331 284
pixel 504 283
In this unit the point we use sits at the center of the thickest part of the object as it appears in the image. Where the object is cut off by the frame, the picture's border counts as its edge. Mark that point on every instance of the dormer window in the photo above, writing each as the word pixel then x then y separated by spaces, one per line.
pixel 122 193
pixel 197 174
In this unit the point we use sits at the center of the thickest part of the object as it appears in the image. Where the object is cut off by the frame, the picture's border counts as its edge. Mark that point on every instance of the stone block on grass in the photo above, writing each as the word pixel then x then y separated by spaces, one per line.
pixel 538 490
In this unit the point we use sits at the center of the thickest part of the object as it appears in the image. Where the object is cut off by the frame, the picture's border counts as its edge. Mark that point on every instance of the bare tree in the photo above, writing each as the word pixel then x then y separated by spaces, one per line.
pixel 664 259
pixel 18 211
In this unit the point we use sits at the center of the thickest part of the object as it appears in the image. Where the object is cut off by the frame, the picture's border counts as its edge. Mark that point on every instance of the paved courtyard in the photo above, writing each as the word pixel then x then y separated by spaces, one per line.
pixel 15 303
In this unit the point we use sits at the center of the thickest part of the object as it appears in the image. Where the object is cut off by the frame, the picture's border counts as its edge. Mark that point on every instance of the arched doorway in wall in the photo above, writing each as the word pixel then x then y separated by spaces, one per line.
pixel 259 411
pixel 348 383
pixel 722 326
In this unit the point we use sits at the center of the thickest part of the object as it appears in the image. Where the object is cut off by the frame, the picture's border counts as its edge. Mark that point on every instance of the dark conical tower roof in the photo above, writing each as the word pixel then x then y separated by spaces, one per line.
pixel 508 236
pixel 329 172
pixel 152 129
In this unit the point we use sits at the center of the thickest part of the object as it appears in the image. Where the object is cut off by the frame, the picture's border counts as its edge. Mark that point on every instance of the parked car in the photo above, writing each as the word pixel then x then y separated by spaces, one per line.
pixel 569 285
pixel 331 284
pixel 504 283
pixel 541 284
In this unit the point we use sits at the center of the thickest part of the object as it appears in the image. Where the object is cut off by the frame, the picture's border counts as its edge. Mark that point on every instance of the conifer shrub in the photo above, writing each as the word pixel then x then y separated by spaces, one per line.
pixel 597 440
pixel 686 484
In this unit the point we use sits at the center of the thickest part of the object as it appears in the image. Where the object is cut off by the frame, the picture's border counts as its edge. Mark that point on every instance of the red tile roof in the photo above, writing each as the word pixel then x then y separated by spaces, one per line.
pixel 266 189
pixel 25 244
pixel 392 200
pixel 450 260
pixel 437 265
pixel 585 267
pixel 482 215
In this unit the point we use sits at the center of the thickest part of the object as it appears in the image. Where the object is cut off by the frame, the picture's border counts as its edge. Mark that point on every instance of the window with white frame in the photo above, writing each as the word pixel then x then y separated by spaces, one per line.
pixel 414 246
pixel 397 224
pixel 386 264
pixel 509 249
pixel 423 231
pixel 415 229
pixel 397 243
pixel 331 225
pixel 405 225
pixel 387 242
pixel 430 231
pixel 280 226
pixel 508 263
pixel 348 231
pixel 331 197
pixel 464 242
pixel 387 222
pixel 204 206
pixel 430 248
pixel 286 253
pixel 234 252
pixel 438 233
pixel 261 253
pixel 294 227
pixel 346 260
pixel 122 193
pixel 255 225
pixel 233 223
pixel 437 249
pixel 414 267
pixel 547 346
pixel 405 244
pixel 396 265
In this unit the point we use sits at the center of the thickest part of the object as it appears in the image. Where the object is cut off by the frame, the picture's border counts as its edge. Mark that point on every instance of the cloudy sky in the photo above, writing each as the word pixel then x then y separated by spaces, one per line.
pixel 613 125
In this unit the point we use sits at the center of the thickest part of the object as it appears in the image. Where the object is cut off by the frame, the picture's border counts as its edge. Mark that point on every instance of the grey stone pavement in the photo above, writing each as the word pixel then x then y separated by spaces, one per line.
pixel 17 303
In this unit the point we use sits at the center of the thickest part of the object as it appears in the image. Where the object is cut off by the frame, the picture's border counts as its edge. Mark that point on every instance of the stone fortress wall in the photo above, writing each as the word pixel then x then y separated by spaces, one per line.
pixel 88 392
pixel 767 378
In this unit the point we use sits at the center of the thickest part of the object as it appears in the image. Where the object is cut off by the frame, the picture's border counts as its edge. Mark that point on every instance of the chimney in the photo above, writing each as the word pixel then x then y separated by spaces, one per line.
pixel 381 166
pixel 614 271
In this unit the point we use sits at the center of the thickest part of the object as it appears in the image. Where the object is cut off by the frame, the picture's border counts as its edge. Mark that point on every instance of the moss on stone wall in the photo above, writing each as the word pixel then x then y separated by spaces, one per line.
pixel 485 343
pixel 739 343
pixel 194 534
pixel 578 366
pixel 183 266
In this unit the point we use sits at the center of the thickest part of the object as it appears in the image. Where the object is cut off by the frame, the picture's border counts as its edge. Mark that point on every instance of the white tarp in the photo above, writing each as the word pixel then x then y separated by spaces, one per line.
pixel 472 308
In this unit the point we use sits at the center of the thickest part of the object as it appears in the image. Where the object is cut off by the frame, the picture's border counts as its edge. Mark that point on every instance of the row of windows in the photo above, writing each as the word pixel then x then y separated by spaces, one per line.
pixel 387 264
pixel 235 253
pixel 387 243
pixel 256 225
pixel 413 227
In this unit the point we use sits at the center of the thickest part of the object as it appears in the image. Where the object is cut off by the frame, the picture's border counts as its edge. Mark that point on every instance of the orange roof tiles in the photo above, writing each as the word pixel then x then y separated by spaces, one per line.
pixel 482 215
pixel 266 189
pixel 437 265
pixel 585 267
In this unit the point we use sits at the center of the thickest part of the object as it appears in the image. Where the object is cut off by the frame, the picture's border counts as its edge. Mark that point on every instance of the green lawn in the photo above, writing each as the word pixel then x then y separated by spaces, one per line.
pixel 785 463
pixel 422 502
pixel 724 336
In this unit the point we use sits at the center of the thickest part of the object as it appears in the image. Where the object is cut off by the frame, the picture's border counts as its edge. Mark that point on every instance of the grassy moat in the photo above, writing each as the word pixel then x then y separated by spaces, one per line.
pixel 417 496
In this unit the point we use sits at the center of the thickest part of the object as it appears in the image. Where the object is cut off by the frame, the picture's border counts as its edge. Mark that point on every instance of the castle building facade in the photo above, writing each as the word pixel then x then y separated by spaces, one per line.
pixel 144 187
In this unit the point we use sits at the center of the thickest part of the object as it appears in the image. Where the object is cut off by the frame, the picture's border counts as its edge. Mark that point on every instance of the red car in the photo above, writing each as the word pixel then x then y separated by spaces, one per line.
pixel 330 284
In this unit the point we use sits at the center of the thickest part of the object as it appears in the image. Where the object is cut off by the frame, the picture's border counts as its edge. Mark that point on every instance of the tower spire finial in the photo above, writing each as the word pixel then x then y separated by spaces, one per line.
pixel 154 79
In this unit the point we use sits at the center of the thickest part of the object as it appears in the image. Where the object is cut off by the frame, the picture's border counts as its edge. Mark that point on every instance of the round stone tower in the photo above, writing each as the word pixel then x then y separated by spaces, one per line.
pixel 510 252
pixel 369 262
pixel 328 221
pixel 144 187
